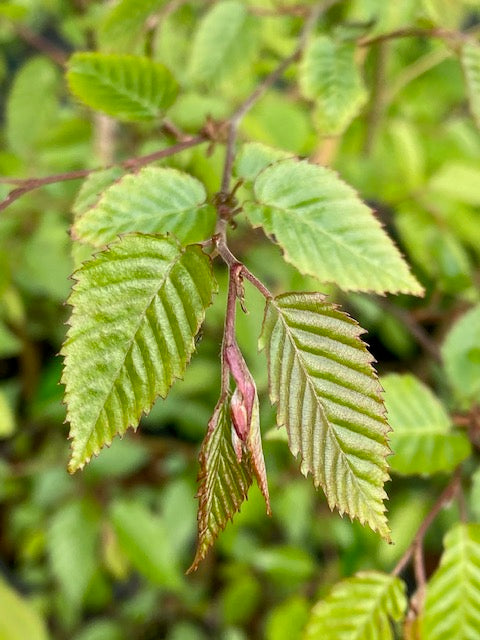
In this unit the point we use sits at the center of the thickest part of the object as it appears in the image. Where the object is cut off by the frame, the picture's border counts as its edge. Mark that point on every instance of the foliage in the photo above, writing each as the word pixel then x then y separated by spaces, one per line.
pixel 233 176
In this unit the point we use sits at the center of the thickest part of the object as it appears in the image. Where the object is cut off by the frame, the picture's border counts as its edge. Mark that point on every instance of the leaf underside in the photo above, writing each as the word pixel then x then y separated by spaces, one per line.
pixel 422 440
pixel 154 200
pixel 359 608
pixel 136 309
pixel 329 399
pixel 126 87
pixel 224 481
pixel 326 231
pixel 452 603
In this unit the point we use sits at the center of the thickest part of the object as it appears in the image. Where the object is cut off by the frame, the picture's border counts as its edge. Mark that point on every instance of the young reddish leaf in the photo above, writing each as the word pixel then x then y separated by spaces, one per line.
pixel 224 481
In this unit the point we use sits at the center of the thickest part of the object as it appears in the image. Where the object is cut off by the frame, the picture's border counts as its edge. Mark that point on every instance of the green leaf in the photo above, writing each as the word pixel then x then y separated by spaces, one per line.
pixel 254 157
pixel 155 200
pixel 7 416
pixel 458 181
pixel 93 187
pixel 124 21
pixel 225 39
pixel 471 68
pixel 452 603
pixel 422 440
pixel 326 231
pixel 72 546
pixel 359 608
pixel 329 399
pixel 19 620
pixel 461 358
pixel 329 76
pixel 223 481
pixel 144 539
pixel 126 87
pixel 31 106
pixel 136 309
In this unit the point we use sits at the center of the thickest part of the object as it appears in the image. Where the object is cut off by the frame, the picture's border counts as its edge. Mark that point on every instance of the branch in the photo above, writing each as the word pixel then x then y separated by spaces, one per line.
pixel 132 164
pixel 414 32
pixel 42 44
pixel 444 498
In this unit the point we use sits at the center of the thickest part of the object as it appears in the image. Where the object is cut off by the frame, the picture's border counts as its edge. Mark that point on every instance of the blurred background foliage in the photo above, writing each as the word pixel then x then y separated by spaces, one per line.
pixel 102 555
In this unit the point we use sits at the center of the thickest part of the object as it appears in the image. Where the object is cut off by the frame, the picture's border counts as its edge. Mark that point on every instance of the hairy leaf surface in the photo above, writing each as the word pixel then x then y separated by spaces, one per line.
pixel 155 200
pixel 422 440
pixel 329 75
pixel 471 68
pixel 326 231
pixel 136 309
pixel 359 608
pixel 452 604
pixel 224 40
pixel 224 481
pixel 329 399
pixel 126 87
pixel 92 188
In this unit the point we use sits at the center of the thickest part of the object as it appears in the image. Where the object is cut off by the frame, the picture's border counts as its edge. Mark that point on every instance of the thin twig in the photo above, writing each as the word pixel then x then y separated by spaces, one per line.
pixel 42 44
pixel 413 32
pixel 444 498
pixel 132 164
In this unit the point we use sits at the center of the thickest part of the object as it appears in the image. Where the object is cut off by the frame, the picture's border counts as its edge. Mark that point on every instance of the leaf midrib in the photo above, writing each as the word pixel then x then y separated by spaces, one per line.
pixel 333 239
pixel 130 344
pixel 327 422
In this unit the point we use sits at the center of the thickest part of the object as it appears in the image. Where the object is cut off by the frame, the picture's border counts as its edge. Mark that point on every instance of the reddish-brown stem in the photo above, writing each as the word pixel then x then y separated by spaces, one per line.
pixel 40 43
pixel 132 164
pixel 444 498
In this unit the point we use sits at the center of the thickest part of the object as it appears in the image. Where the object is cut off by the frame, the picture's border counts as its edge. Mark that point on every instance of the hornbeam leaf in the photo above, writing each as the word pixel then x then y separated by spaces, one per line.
pixel 471 67
pixel 326 231
pixel 329 399
pixel 155 200
pixel 329 76
pixel 225 40
pixel 422 440
pixel 137 307
pixel 224 481
pixel 126 87
pixel 452 603
pixel 359 608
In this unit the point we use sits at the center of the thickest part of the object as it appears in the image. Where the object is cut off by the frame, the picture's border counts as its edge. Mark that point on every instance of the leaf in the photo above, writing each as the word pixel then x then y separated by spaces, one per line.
pixel 470 58
pixel 31 105
pixel 146 542
pixel 124 22
pixel 461 358
pixel 359 608
pixel 225 39
pixel 326 231
pixel 19 619
pixel 136 309
pixel 72 546
pixel 452 603
pixel 254 157
pixel 7 416
pixel 329 399
pixel 422 440
pixel 155 200
pixel 329 76
pixel 224 481
pixel 126 87
pixel 458 181
pixel 92 188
